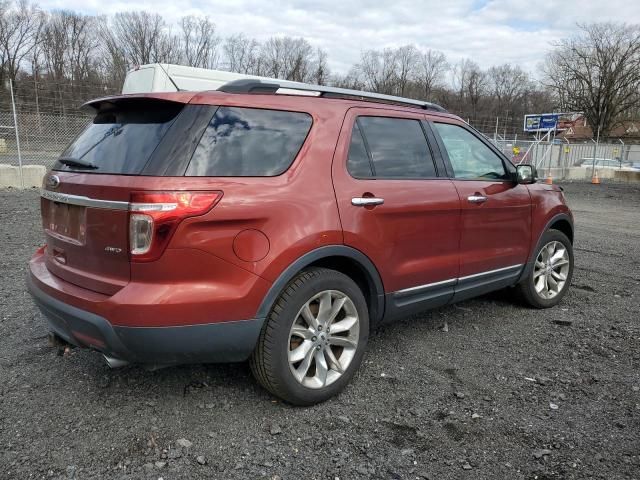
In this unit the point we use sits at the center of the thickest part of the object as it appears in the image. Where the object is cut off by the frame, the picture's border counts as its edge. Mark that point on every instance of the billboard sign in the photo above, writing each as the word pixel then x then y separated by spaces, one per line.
pixel 541 123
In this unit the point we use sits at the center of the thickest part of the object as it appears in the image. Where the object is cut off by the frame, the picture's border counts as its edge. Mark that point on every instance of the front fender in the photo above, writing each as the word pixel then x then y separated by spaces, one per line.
pixel 560 214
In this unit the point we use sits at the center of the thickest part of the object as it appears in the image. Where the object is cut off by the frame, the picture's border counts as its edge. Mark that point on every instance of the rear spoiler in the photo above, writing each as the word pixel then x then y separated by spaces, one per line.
pixel 104 103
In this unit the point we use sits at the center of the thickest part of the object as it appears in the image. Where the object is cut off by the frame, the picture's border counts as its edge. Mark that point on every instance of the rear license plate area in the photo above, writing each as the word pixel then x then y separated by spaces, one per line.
pixel 65 221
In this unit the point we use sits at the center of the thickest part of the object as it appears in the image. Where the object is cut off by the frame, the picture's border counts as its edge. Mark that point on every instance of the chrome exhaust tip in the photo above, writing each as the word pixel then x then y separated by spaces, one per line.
pixel 115 362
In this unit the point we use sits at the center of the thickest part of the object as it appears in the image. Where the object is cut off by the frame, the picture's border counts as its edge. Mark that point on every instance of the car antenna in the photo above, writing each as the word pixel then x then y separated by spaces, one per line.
pixel 178 89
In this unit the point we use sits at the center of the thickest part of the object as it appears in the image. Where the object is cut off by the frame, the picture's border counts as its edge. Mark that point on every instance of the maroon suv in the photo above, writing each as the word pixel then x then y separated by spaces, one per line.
pixel 282 225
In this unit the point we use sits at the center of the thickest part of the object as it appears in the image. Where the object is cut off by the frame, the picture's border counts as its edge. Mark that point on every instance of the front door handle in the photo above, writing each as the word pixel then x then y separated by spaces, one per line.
pixel 366 201
pixel 477 198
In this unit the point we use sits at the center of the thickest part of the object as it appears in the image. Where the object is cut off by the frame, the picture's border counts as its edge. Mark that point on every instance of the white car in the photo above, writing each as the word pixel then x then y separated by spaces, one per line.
pixel 607 163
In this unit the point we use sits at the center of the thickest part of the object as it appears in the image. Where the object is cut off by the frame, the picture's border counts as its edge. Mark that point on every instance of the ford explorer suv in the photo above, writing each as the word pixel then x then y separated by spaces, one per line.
pixel 282 225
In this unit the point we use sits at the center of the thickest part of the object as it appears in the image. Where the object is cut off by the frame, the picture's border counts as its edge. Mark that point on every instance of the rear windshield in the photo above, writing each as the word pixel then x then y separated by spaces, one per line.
pixel 249 142
pixel 120 140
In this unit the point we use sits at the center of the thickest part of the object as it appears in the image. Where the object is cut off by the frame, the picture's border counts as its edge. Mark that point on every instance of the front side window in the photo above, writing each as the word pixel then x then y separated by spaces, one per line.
pixel 469 156
pixel 249 142
pixel 394 147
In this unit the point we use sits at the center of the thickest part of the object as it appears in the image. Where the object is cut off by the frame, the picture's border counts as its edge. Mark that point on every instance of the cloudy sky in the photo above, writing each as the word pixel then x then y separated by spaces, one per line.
pixel 488 31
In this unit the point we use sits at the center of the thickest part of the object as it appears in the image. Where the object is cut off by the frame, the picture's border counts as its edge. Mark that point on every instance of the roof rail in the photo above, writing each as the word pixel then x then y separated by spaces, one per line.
pixel 296 88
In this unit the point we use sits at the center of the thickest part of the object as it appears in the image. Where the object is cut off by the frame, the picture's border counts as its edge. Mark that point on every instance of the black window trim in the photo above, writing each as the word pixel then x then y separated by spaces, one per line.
pixel 508 166
pixel 218 107
pixel 366 146
pixel 174 156
pixel 441 167
pixel 371 165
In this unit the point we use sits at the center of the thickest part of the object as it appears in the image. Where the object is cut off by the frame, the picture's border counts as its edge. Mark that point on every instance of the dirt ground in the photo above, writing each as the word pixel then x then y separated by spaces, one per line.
pixel 504 392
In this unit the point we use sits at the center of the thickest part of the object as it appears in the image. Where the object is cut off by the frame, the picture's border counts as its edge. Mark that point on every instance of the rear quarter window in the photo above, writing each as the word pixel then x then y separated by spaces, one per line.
pixel 249 142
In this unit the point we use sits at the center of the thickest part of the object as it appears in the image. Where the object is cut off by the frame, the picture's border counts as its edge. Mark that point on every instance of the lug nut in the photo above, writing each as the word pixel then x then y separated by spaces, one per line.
pixel 318 347
pixel 320 327
pixel 313 339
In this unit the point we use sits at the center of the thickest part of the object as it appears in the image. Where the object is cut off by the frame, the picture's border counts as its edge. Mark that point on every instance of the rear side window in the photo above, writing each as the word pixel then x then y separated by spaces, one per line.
pixel 249 142
pixel 396 148
pixel 121 139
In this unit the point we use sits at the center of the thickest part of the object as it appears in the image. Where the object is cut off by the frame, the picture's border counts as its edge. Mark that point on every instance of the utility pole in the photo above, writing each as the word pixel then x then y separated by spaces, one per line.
pixel 595 151
pixel 15 125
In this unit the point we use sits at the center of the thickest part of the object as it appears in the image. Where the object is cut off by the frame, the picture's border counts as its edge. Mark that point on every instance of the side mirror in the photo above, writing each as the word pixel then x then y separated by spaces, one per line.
pixel 526 174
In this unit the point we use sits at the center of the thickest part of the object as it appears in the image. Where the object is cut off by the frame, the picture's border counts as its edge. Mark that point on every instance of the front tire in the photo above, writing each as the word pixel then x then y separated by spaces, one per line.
pixel 314 339
pixel 550 276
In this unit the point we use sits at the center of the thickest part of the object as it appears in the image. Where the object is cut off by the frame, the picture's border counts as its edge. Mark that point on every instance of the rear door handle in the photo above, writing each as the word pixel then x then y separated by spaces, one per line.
pixel 366 201
pixel 477 198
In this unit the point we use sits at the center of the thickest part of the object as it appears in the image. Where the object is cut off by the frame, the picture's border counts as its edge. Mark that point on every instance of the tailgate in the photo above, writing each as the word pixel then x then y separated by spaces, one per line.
pixel 85 206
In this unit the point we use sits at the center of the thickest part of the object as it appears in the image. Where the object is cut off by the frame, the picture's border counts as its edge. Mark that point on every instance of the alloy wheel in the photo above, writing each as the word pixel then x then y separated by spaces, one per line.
pixel 551 270
pixel 323 339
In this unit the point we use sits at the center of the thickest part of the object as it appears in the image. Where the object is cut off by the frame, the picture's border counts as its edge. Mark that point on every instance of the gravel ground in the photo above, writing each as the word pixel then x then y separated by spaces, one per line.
pixel 504 392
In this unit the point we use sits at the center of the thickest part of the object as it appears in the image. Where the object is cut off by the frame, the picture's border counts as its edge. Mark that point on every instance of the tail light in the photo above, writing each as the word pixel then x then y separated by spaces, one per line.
pixel 155 216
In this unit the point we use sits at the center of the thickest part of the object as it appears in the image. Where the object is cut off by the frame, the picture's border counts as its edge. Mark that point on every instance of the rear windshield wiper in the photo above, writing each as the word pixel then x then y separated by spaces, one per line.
pixel 77 162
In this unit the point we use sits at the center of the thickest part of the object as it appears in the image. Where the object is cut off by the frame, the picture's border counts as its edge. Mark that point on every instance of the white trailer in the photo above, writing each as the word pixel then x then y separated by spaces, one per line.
pixel 164 77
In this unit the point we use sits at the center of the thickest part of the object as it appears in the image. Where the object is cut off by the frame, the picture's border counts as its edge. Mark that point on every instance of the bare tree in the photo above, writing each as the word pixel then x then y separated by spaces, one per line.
pixel 508 84
pixel 82 43
pixel 406 61
pixel 287 58
pixel 432 66
pixel 459 80
pixel 536 99
pixel 144 38
pixel 320 74
pixel 5 5
pixel 20 28
pixel 241 54
pixel 476 87
pixel 351 80
pixel 113 59
pixel 597 72
pixel 55 43
pixel 298 55
pixel 36 59
pixel 379 70
pixel 469 83
pixel 199 42
pixel 68 45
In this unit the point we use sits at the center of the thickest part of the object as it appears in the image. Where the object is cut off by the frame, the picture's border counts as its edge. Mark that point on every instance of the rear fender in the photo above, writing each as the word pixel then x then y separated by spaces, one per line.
pixel 374 282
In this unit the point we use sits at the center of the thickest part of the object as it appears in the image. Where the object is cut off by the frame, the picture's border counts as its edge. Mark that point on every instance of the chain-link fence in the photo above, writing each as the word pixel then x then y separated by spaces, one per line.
pixel 42 137
pixel 564 160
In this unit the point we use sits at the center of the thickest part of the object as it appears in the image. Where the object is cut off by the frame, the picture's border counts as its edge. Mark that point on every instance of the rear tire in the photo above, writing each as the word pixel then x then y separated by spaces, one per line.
pixel 550 276
pixel 296 358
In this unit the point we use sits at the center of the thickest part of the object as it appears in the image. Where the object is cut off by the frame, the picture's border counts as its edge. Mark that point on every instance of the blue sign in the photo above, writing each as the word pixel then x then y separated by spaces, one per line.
pixel 541 123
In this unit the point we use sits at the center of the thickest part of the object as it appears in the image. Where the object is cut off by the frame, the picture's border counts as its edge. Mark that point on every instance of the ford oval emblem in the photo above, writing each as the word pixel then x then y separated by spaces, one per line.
pixel 53 181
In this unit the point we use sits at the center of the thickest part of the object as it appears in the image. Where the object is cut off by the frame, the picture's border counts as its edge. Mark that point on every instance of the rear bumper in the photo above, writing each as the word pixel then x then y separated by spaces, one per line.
pixel 231 341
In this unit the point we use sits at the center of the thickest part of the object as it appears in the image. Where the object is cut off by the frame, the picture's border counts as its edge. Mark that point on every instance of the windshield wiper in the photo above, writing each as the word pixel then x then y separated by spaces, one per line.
pixel 77 162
